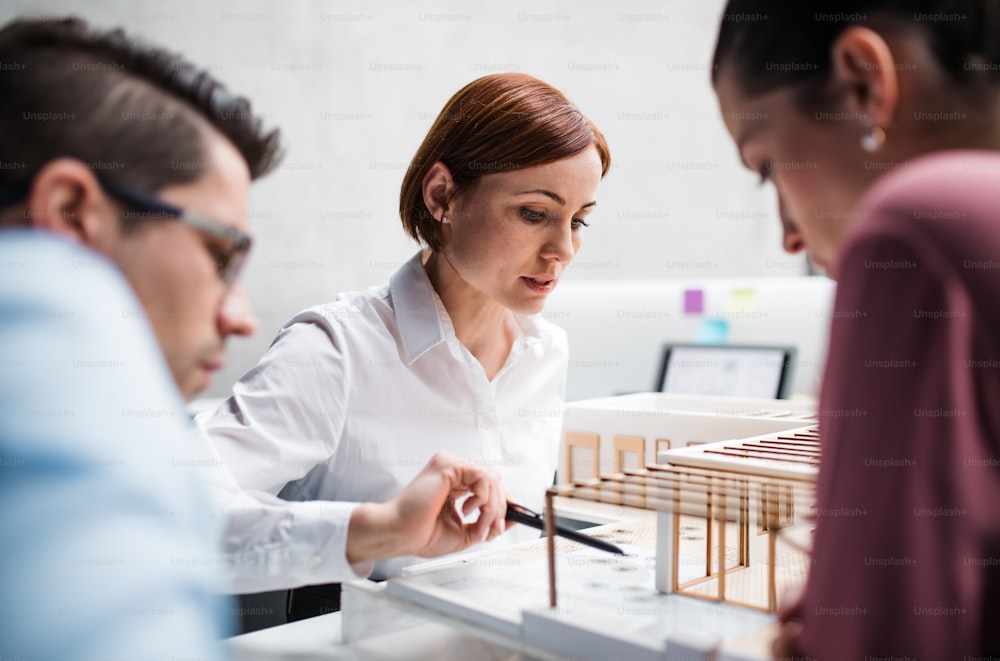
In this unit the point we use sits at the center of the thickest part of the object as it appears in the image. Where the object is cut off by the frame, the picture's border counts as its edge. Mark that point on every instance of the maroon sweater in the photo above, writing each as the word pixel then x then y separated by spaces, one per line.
pixel 906 559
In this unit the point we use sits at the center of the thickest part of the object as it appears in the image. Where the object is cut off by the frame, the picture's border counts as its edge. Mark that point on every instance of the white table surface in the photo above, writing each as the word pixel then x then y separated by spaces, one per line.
pixel 320 638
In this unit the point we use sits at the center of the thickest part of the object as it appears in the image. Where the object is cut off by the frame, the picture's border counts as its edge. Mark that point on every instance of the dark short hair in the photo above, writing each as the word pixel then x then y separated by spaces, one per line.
pixel 505 121
pixel 130 111
pixel 770 44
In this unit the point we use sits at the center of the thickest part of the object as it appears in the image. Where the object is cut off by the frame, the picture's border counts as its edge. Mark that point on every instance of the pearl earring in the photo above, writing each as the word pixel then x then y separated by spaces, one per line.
pixel 873 139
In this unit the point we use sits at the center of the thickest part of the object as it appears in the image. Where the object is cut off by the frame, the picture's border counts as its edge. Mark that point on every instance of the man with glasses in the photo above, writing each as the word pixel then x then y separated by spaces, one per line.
pixel 124 175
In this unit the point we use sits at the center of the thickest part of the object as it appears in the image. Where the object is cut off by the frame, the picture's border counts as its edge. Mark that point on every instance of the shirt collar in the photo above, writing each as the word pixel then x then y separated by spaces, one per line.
pixel 423 320
pixel 416 307
pixel 533 329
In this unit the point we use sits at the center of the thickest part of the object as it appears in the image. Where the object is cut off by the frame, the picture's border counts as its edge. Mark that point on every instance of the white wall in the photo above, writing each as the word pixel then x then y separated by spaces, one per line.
pixel 354 85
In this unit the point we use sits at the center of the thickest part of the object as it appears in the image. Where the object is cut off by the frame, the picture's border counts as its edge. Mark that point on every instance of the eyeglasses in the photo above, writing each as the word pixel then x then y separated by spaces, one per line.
pixel 229 260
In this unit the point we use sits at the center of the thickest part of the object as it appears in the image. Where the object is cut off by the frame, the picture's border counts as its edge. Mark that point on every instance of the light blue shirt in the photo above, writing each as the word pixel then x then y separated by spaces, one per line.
pixel 106 551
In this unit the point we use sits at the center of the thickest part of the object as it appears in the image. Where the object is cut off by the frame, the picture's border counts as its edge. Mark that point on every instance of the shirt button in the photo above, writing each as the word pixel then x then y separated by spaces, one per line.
pixel 488 422
pixel 315 560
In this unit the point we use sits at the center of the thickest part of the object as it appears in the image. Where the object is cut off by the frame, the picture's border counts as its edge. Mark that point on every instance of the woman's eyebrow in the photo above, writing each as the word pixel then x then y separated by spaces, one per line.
pixel 555 197
pixel 546 193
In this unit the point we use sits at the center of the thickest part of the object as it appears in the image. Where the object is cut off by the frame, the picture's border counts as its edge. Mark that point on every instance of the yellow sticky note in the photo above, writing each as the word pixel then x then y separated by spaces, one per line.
pixel 741 300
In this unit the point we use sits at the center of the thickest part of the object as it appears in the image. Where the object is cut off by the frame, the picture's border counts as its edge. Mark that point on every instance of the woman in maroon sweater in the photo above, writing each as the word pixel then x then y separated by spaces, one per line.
pixel 878 124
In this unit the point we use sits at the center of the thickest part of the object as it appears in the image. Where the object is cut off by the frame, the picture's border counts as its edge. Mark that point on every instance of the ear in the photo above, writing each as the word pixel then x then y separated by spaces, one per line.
pixel 66 198
pixel 438 188
pixel 864 67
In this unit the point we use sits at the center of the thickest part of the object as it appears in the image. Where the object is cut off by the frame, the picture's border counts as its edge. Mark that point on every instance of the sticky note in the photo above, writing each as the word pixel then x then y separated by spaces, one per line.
pixel 740 300
pixel 713 331
pixel 694 301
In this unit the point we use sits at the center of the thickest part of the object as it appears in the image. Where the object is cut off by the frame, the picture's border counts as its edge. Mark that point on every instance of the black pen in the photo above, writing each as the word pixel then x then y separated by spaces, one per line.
pixel 521 514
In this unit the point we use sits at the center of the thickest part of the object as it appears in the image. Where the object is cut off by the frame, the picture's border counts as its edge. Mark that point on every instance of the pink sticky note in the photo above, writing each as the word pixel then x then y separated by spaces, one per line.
pixel 694 301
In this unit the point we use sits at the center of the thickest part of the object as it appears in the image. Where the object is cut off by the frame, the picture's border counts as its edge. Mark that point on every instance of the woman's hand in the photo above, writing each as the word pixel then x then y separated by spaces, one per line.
pixel 422 519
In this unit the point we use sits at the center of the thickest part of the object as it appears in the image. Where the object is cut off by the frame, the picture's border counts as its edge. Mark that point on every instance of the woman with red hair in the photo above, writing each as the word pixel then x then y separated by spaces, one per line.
pixel 355 396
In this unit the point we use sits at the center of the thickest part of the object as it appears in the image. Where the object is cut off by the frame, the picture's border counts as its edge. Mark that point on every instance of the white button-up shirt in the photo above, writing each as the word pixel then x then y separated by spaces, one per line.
pixel 351 401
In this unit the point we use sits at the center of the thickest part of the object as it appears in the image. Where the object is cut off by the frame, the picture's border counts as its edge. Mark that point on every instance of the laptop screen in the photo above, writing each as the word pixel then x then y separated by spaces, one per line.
pixel 737 371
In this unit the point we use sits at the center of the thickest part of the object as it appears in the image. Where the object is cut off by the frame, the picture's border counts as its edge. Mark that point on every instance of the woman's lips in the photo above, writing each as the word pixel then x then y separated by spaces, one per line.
pixel 539 284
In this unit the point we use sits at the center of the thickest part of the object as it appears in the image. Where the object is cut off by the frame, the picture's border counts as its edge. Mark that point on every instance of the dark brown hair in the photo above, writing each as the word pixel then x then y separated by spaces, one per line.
pixel 771 44
pixel 134 113
pixel 505 121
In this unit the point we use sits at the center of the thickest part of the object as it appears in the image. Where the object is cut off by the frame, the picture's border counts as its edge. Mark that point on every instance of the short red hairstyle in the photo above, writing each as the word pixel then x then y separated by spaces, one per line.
pixel 505 121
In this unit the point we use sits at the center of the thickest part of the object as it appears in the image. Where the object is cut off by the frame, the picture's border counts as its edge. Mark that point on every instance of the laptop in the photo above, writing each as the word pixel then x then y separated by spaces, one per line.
pixel 729 370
